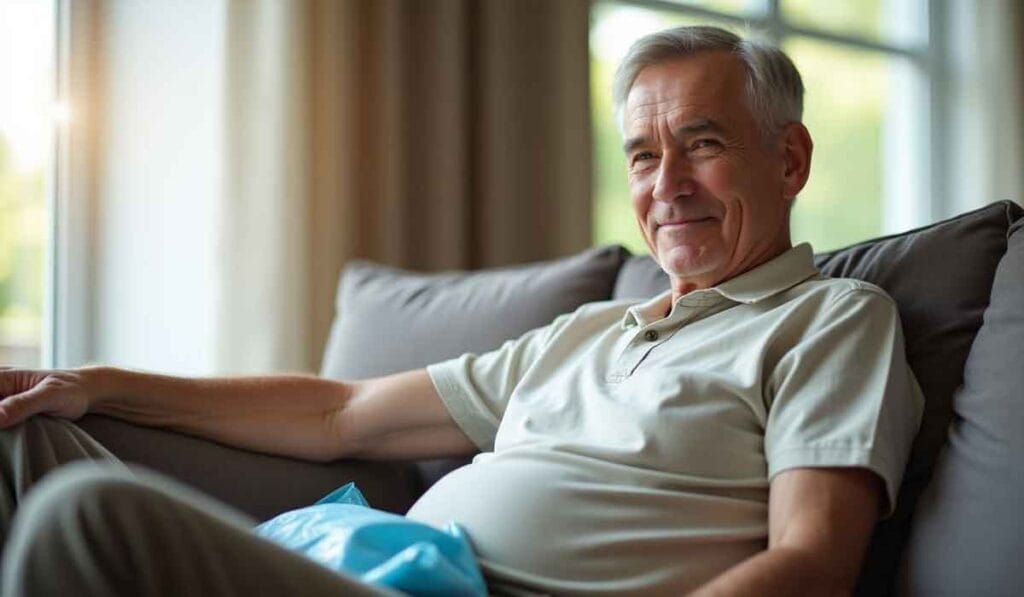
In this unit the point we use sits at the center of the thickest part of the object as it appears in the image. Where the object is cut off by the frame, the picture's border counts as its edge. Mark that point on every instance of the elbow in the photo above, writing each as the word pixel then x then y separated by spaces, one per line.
pixel 336 443
pixel 341 440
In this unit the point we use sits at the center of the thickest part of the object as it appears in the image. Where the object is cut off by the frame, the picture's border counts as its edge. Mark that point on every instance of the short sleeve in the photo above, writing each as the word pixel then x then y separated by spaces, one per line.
pixel 476 388
pixel 845 396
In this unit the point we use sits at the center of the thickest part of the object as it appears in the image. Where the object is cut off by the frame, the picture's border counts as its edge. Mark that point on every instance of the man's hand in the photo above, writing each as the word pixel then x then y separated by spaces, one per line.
pixel 26 392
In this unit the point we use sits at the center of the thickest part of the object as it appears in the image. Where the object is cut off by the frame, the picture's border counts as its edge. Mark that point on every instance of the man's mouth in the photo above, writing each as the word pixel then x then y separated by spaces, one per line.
pixel 685 224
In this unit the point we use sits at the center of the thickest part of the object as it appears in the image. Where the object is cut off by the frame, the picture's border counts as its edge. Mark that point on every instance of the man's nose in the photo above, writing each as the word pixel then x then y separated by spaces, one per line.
pixel 675 178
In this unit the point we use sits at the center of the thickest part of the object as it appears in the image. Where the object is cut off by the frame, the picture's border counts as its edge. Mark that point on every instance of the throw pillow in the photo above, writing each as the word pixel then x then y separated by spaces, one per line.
pixel 390 320
pixel 968 532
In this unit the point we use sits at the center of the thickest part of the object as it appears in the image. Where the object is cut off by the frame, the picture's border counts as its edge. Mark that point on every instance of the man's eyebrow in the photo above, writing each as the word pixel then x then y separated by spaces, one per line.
pixel 700 125
pixel 632 143
pixel 694 127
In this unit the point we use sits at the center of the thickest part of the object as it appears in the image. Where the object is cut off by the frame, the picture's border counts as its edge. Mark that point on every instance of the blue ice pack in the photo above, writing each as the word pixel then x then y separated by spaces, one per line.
pixel 343 533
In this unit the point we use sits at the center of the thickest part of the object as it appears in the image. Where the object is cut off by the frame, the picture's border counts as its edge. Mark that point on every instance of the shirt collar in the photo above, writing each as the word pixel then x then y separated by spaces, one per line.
pixel 766 280
pixel 772 277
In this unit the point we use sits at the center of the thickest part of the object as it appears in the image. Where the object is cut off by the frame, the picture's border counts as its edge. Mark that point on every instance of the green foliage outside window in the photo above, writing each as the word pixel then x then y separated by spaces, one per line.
pixel 22 230
pixel 27 76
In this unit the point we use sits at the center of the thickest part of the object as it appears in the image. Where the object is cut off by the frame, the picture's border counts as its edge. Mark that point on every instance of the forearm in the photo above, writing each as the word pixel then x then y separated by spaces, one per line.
pixel 288 415
pixel 778 572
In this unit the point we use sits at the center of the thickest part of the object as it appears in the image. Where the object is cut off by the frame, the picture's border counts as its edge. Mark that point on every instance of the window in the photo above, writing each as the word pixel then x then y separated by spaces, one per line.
pixel 865 69
pixel 27 74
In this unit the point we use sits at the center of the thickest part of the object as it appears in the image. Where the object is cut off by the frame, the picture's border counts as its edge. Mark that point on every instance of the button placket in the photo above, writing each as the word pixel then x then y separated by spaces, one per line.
pixel 632 354
pixel 624 346
pixel 640 346
pixel 643 341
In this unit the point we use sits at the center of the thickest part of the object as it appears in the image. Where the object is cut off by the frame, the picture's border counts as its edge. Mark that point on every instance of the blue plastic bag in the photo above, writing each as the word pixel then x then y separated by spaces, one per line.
pixel 343 533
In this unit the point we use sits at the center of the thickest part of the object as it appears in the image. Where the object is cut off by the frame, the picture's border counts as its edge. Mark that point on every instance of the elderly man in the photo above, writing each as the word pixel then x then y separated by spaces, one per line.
pixel 740 434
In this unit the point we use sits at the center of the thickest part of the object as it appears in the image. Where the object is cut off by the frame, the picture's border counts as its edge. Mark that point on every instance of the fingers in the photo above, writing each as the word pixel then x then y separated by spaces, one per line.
pixel 14 381
pixel 17 408
pixel 9 382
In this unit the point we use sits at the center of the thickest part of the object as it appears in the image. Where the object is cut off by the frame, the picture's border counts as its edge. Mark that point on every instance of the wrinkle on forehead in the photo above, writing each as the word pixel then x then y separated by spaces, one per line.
pixel 678 122
pixel 694 87
pixel 665 107
pixel 675 121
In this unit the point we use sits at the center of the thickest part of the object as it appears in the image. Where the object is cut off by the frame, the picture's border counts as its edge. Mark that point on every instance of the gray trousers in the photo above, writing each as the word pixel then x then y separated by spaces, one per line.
pixel 99 527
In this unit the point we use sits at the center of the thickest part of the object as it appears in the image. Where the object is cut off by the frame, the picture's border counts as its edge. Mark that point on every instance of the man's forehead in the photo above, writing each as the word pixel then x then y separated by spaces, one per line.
pixel 719 68
pixel 704 86
pixel 707 74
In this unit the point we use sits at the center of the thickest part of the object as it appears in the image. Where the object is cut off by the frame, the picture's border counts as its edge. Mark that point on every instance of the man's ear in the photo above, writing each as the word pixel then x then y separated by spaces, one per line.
pixel 796 154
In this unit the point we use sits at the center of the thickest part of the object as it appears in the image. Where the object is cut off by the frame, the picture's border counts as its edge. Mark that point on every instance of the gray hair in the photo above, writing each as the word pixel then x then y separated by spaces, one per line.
pixel 775 91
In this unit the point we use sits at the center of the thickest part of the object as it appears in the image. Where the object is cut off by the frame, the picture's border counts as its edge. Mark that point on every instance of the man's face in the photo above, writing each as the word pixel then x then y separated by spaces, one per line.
pixel 709 192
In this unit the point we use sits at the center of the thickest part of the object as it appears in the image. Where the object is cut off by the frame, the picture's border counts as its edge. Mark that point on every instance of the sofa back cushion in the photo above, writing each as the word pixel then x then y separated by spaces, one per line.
pixel 640 278
pixel 940 277
pixel 389 320
pixel 968 532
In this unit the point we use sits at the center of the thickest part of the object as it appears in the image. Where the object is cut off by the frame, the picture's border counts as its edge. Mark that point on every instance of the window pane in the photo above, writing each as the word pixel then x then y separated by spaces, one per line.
pixel 898 22
pixel 613 28
pixel 736 7
pixel 26 120
pixel 844 106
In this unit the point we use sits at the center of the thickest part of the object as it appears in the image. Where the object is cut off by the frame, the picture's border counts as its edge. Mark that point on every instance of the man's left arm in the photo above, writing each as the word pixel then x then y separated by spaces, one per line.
pixel 820 522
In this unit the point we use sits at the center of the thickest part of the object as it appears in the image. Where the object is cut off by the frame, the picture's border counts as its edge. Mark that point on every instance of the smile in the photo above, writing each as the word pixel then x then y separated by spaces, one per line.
pixel 684 225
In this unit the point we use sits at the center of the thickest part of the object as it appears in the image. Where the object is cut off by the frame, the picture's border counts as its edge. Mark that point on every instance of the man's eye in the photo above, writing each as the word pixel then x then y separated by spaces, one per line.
pixel 642 156
pixel 700 144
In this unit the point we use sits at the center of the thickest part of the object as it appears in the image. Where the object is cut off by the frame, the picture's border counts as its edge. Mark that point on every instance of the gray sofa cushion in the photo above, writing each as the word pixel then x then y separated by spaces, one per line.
pixel 391 320
pixel 940 276
pixel 968 532
pixel 640 278
pixel 260 485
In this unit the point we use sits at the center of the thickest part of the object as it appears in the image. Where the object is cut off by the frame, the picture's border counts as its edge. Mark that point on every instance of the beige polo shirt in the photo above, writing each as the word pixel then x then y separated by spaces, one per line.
pixel 627 452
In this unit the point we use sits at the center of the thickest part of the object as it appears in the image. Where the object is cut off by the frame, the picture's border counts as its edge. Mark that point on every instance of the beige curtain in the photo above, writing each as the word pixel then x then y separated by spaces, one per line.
pixel 425 134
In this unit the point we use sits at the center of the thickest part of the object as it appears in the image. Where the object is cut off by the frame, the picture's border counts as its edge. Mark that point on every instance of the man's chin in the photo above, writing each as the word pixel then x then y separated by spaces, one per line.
pixel 685 262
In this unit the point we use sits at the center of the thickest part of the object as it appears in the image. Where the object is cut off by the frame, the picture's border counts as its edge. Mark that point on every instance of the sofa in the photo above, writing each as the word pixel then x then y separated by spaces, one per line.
pixel 959 284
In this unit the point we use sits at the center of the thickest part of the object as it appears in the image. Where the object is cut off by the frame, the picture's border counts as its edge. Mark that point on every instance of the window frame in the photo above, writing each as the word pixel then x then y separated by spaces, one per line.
pixel 68 333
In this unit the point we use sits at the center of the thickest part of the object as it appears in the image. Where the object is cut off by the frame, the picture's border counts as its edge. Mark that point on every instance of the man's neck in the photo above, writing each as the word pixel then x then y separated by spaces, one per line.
pixel 683 286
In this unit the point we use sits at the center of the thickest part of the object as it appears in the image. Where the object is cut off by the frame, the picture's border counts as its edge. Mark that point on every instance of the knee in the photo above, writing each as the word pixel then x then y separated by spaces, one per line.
pixel 74 504
pixel 65 519
pixel 80 491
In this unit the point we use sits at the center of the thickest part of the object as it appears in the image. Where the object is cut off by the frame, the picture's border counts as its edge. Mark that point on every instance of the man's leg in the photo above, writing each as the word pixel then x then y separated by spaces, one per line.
pixel 92 529
pixel 33 448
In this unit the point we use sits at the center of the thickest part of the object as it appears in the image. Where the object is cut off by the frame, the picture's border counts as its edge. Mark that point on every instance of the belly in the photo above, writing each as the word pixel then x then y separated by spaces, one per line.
pixel 565 524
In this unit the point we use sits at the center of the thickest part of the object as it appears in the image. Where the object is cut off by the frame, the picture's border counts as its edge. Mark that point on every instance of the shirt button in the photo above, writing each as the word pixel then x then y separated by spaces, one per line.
pixel 651 335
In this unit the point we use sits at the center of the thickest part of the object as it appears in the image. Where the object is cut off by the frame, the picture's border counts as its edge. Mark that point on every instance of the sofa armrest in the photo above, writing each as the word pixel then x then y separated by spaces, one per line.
pixel 260 485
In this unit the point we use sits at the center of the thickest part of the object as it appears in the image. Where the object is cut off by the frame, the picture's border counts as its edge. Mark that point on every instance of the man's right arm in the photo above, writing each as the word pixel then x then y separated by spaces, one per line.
pixel 398 417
